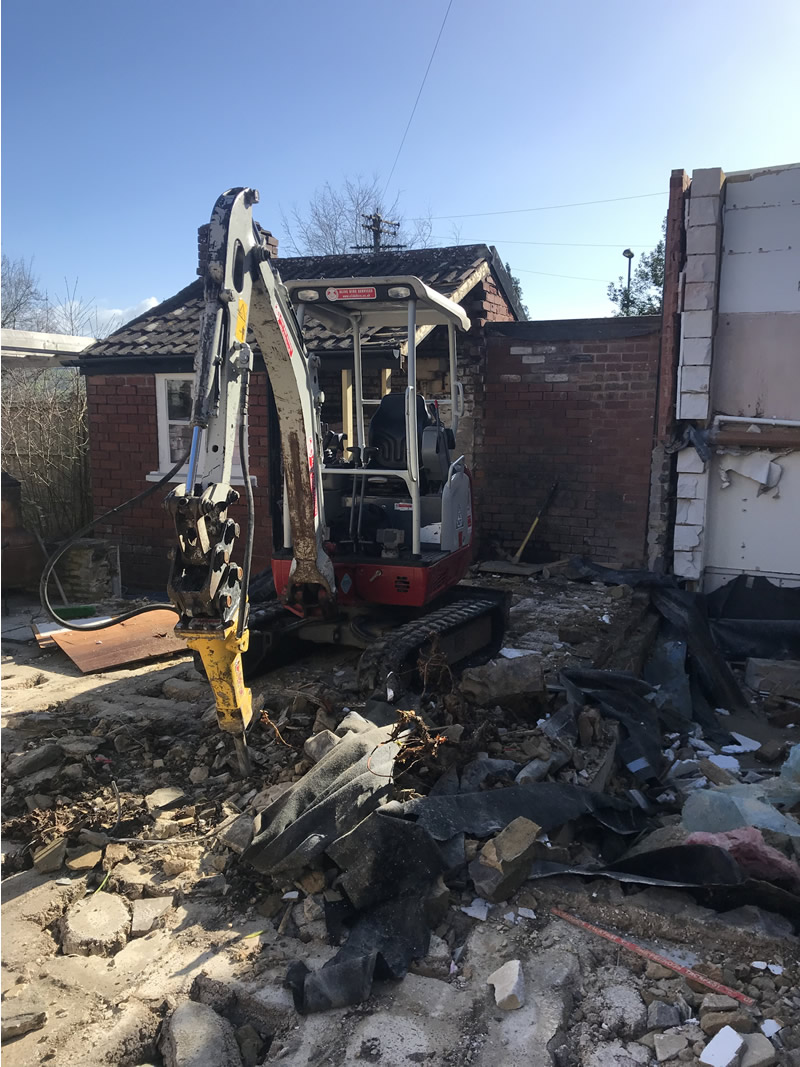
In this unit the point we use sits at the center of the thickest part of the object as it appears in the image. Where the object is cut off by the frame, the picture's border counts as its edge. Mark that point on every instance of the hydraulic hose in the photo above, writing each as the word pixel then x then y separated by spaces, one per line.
pixel 50 565
pixel 244 416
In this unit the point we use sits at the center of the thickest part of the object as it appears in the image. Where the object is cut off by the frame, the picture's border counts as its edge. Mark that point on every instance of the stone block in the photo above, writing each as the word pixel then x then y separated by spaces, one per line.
pixel 707 181
pixel 696 352
pixel 689 462
pixel 693 406
pixel 691 513
pixel 50 857
pixel 701 268
pixel 669 1046
pixel 238 834
pixel 318 745
pixel 700 296
pixel 148 913
pixel 509 985
pixel 704 211
pixel 695 379
pixel 711 1022
pixel 687 565
pixel 196 1036
pixel 703 240
pixel 687 537
pixel 533 359
pixel 96 926
pixel 504 862
pixel 758 1052
pixel 692 486
pixel 660 1015
pixel 697 324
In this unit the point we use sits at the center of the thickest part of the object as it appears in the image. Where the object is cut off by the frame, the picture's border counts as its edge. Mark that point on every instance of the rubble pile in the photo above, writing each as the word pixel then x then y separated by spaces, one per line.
pixel 607 764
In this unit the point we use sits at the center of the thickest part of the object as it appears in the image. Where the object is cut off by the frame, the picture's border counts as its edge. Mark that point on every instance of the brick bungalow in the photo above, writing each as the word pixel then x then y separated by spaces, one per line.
pixel 571 399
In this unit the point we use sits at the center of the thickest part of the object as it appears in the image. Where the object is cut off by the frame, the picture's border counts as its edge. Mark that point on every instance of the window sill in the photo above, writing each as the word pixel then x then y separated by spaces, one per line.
pixel 156 476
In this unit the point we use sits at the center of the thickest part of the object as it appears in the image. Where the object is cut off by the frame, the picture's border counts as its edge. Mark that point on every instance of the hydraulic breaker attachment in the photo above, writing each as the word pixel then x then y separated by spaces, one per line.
pixel 221 653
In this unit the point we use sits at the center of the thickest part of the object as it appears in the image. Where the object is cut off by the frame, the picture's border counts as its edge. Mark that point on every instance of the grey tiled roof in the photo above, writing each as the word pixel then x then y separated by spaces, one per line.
pixel 172 327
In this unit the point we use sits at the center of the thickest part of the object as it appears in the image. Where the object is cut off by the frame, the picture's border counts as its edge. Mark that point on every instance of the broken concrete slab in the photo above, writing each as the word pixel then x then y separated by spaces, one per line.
pixel 718 1002
pixel 319 744
pixel 16 1023
pixel 148 913
pixel 50 857
pixel 35 760
pixel 237 835
pixel 776 677
pixel 98 925
pixel 83 858
pixel 714 1021
pixel 164 799
pixel 503 680
pixel 504 862
pixel 661 1015
pixel 669 1046
pixel 758 1052
pixel 508 982
pixel 196 1036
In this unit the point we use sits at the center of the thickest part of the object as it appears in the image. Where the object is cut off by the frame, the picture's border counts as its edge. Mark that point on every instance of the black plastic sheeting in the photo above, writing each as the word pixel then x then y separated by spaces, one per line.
pixel 751 616
pixel 549 804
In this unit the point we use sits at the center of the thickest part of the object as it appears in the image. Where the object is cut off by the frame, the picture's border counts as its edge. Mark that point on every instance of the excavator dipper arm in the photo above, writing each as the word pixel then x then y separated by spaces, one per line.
pixel 207 588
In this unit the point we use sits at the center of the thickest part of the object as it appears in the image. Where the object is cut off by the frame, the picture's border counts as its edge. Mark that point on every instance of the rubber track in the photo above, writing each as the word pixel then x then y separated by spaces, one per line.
pixel 390 652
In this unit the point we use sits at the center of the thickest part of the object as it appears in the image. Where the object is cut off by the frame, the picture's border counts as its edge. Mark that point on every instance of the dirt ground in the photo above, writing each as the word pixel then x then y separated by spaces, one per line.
pixel 217 952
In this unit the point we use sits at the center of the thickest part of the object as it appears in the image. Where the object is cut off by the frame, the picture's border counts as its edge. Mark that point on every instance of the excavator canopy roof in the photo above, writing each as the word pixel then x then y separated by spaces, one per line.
pixel 382 301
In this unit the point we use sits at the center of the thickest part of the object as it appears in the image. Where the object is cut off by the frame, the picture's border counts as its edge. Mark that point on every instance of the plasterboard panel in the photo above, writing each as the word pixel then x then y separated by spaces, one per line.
pixel 756 368
pixel 747 533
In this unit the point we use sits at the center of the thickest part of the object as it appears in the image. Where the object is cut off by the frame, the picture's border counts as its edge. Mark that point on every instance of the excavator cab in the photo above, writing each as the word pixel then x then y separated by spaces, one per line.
pixel 398 505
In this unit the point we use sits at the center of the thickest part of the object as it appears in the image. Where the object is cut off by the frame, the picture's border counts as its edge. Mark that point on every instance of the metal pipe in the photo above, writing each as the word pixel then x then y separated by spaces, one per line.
pixel 757 421
pixel 412 439
pixel 358 387
pixel 451 344
pixel 192 468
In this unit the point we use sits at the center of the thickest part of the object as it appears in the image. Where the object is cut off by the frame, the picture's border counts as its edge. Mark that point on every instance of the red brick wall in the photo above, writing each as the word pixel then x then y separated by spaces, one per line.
pixel 577 405
pixel 123 446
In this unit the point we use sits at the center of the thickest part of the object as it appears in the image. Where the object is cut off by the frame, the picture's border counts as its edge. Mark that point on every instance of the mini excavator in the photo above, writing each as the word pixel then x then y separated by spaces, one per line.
pixel 377 534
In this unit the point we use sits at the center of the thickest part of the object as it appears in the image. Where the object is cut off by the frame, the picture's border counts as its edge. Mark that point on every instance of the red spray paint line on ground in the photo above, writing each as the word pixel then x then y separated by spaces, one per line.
pixel 695 976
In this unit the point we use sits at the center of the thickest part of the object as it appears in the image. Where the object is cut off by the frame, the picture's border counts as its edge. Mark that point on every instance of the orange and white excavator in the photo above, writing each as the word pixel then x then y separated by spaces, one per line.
pixel 377 534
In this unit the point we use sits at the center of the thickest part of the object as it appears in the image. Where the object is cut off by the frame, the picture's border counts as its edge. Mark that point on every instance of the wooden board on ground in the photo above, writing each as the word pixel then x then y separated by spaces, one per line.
pixel 144 637
pixel 524 570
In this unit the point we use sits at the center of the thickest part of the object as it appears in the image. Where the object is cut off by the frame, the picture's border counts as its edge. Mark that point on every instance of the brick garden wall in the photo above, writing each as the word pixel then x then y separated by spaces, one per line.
pixel 123 441
pixel 573 400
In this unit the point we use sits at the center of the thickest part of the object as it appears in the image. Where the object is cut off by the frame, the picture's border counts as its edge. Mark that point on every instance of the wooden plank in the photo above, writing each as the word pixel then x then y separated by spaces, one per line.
pixel 145 637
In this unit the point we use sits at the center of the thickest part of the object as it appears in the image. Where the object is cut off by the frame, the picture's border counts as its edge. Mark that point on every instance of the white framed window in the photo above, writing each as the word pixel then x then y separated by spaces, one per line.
pixel 174 422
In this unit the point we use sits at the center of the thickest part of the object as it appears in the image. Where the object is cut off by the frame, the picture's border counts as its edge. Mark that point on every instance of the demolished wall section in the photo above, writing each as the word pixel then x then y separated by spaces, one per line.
pixel 572 400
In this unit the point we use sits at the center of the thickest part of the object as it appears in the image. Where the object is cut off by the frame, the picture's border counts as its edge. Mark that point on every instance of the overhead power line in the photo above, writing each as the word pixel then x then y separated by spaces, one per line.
pixel 546 274
pixel 552 244
pixel 419 94
pixel 545 207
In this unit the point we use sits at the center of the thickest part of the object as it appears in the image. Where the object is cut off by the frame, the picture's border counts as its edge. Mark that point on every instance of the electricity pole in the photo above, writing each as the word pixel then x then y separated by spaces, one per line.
pixel 379 227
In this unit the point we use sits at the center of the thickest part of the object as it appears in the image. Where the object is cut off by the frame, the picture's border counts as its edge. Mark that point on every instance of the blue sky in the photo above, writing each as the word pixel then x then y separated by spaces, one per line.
pixel 122 121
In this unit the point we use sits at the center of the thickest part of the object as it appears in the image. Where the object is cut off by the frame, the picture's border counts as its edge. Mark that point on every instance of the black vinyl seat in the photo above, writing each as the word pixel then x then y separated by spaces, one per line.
pixel 387 430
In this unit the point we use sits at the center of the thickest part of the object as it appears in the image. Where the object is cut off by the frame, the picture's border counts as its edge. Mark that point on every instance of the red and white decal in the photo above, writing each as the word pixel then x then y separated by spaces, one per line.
pixel 284 332
pixel 403 505
pixel 356 292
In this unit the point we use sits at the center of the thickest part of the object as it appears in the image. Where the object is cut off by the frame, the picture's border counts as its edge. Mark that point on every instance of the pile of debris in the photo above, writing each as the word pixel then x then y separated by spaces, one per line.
pixel 607 766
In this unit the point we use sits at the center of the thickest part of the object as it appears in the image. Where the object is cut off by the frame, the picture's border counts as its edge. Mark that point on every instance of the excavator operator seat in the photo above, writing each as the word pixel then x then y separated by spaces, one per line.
pixel 387 430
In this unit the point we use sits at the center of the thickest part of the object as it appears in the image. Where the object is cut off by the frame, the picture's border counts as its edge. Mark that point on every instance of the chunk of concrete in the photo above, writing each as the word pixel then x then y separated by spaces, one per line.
pixel 718 1002
pixel 661 1015
pixel 147 913
pixel 36 760
pixel 724 1050
pixel 507 678
pixel 713 1021
pixel 669 1046
pixel 758 1052
pixel 318 745
pixel 251 1045
pixel 508 983
pixel 50 857
pixel 17 1023
pixel 504 862
pixel 238 834
pixel 84 858
pixel 777 677
pixel 98 925
pixel 196 1036
pixel 164 799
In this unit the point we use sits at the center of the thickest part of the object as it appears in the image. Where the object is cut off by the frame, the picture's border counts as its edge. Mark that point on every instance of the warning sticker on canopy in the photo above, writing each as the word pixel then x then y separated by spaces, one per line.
pixel 354 292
